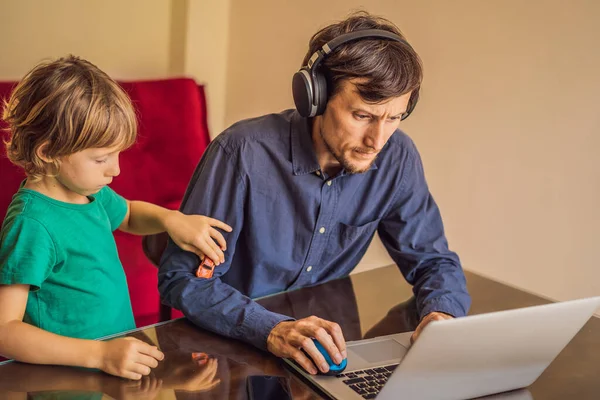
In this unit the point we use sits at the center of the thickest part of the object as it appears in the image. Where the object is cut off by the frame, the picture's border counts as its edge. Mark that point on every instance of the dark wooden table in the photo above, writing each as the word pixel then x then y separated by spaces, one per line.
pixel 367 304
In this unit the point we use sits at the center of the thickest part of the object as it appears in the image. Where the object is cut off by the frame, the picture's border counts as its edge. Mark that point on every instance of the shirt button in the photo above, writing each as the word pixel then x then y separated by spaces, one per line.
pixel 322 230
pixel 328 183
pixel 318 173
pixel 309 269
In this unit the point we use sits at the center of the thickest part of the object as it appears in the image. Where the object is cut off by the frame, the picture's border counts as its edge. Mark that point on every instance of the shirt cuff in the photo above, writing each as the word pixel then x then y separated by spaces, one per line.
pixel 443 305
pixel 258 325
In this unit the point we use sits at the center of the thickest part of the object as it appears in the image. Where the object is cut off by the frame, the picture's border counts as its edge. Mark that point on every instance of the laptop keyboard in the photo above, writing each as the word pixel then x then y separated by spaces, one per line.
pixel 368 382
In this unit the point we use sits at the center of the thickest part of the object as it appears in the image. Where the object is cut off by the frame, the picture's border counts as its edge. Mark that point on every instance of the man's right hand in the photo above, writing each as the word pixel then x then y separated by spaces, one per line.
pixel 288 338
pixel 129 357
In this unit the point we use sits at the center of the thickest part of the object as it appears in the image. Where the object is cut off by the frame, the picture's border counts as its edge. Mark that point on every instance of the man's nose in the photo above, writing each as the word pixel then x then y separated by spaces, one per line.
pixel 376 136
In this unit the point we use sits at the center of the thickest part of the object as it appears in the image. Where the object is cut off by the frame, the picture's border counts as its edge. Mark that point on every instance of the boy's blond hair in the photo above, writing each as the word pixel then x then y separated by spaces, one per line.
pixel 68 105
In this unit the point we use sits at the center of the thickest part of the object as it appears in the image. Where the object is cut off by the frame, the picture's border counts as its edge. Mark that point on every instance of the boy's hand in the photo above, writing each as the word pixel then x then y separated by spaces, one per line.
pixel 129 357
pixel 197 234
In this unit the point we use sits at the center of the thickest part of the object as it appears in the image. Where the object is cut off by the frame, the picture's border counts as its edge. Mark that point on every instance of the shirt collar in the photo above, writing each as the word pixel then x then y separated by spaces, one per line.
pixel 304 159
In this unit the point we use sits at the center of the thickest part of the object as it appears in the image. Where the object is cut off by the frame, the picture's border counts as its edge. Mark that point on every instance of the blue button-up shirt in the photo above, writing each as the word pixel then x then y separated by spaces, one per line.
pixel 294 226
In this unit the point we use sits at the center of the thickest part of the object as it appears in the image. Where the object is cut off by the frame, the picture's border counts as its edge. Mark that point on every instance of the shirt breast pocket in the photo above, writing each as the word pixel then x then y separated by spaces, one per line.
pixel 348 242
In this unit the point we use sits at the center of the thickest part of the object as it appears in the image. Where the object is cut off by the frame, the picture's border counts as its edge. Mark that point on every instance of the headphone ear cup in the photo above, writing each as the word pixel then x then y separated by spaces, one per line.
pixel 320 86
pixel 412 103
pixel 302 90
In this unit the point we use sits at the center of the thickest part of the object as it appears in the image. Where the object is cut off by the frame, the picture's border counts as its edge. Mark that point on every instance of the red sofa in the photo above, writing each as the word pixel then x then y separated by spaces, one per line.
pixel 173 134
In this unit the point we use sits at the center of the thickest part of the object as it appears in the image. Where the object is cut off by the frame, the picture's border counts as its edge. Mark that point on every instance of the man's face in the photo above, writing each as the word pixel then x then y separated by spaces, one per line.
pixel 88 171
pixel 354 132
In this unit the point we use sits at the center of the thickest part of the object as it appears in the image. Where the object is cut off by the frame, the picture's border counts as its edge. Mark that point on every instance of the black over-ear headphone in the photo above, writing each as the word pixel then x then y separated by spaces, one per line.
pixel 309 86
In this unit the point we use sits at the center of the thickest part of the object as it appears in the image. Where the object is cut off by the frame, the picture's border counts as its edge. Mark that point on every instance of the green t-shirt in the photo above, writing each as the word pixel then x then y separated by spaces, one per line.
pixel 67 254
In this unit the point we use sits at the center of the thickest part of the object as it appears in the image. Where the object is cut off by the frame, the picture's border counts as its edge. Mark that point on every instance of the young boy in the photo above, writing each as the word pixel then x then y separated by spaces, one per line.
pixel 61 280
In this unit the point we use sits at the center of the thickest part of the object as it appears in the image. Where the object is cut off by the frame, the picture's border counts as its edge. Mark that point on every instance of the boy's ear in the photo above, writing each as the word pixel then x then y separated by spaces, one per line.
pixel 40 152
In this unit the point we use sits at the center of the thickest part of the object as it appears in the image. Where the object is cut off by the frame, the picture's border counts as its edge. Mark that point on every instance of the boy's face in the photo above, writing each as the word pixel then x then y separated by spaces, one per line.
pixel 88 171
pixel 353 132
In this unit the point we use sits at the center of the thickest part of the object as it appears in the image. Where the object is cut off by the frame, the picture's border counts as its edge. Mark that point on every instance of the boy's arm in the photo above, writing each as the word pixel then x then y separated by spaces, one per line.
pixel 126 357
pixel 27 343
pixel 193 233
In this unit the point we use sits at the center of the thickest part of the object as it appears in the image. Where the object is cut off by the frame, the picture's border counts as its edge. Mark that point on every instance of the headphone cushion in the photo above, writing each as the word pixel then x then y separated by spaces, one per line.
pixel 303 92
pixel 320 86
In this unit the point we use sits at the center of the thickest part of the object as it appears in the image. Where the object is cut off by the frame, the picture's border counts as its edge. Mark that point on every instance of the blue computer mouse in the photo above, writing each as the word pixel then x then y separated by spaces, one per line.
pixel 334 369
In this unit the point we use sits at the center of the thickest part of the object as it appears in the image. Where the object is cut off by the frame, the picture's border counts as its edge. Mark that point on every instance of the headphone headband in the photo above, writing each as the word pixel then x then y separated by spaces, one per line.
pixel 334 43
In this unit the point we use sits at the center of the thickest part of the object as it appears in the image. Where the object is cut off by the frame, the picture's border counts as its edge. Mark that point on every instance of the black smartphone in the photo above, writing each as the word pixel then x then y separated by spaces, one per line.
pixel 264 387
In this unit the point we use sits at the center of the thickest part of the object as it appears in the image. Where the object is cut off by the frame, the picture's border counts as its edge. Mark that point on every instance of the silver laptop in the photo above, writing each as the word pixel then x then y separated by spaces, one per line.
pixel 459 358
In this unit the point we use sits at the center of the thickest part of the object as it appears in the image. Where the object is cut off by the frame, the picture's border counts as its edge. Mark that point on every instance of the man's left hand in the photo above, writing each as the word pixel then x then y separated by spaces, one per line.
pixel 432 316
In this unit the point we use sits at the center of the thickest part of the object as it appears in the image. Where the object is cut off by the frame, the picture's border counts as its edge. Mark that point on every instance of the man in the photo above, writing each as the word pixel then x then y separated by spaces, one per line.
pixel 305 196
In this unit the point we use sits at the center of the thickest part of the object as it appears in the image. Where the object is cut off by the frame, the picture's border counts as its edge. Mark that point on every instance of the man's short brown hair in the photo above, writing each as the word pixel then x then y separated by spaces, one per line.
pixel 67 105
pixel 382 69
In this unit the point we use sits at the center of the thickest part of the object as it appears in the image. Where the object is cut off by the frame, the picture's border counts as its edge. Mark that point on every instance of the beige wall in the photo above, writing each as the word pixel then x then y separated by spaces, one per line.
pixel 128 39
pixel 207 52
pixel 507 125
pixel 133 39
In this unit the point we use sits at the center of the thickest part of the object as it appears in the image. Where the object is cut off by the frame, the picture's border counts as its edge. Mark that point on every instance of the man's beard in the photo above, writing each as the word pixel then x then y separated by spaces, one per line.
pixel 344 162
